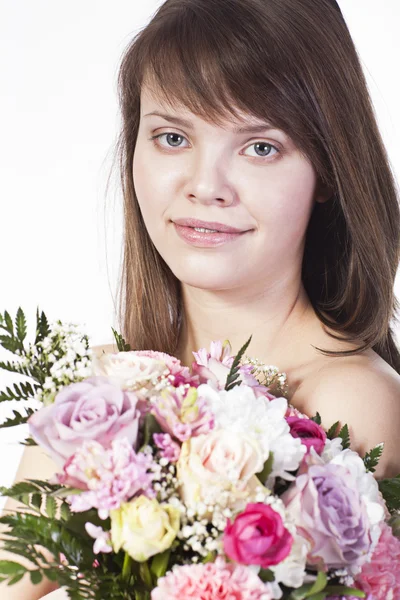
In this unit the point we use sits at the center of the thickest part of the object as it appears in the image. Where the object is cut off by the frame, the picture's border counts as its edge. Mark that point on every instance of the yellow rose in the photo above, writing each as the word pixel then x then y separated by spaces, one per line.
pixel 216 463
pixel 143 527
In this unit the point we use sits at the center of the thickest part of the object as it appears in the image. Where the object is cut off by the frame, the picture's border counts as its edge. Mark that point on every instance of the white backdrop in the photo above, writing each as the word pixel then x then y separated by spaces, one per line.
pixel 60 236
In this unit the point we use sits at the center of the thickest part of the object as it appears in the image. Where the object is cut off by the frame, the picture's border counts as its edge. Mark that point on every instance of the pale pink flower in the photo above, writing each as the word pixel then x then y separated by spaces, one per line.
pixel 216 364
pixel 179 374
pixel 212 581
pixel 293 412
pixel 182 413
pixel 103 538
pixel 108 477
pixel 169 449
pixel 381 576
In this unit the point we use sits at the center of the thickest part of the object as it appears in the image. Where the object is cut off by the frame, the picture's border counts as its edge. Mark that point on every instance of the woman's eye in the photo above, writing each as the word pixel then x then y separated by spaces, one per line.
pixel 170 136
pixel 264 148
pixel 173 141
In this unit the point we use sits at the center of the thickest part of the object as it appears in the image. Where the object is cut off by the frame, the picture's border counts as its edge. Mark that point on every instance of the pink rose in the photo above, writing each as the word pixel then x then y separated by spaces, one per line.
pixel 257 537
pixel 93 409
pixel 311 434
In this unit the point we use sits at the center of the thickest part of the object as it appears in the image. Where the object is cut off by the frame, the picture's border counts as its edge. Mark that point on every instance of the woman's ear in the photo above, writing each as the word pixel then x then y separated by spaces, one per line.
pixel 323 193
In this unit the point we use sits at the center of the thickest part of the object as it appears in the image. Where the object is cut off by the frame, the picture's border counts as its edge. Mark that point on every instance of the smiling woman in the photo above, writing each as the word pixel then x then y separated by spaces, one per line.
pixel 256 137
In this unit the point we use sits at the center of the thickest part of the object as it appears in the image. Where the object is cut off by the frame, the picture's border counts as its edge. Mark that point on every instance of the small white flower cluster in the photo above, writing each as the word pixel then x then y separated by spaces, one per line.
pixel 343 577
pixel 198 534
pixel 165 479
pixel 67 354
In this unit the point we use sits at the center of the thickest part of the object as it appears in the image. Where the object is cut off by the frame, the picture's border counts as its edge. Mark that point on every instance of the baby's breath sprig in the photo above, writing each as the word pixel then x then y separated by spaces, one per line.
pixel 59 355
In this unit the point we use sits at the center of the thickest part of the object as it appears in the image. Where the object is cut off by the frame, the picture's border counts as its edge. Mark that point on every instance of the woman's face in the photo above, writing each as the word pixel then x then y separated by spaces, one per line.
pixel 257 182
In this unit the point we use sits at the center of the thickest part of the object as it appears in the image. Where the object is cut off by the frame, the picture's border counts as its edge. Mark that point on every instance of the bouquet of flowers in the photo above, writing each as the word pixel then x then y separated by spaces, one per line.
pixel 178 483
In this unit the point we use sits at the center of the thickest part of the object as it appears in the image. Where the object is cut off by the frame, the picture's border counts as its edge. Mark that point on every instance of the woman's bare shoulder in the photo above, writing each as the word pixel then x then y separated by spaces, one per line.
pixel 362 391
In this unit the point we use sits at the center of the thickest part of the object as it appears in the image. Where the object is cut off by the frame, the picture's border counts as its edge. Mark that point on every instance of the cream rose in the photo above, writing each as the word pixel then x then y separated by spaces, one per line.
pixel 144 527
pixel 217 463
pixel 129 370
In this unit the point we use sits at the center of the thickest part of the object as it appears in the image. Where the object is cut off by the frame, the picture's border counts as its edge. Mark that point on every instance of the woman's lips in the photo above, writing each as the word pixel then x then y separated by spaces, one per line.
pixel 205 240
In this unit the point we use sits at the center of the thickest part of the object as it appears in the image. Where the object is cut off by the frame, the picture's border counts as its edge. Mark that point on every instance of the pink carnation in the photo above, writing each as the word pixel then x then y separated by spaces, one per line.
pixel 107 477
pixel 211 581
pixel 381 576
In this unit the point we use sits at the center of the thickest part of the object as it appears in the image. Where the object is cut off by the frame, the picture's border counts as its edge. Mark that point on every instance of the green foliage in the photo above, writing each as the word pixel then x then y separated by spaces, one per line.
pixel 17 418
pixel 121 344
pixel 342 433
pixel 263 475
pixel 13 341
pixel 390 489
pixel 332 431
pixel 317 419
pixel 321 589
pixel 371 459
pixel 42 327
pixel 151 426
pixel 232 378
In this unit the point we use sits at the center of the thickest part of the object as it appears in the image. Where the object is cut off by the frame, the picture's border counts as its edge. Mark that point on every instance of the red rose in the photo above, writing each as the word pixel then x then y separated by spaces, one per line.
pixel 309 431
pixel 257 537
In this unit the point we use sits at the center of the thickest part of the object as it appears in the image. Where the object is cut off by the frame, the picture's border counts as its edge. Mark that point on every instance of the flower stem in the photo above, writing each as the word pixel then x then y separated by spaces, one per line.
pixel 145 574
pixel 126 567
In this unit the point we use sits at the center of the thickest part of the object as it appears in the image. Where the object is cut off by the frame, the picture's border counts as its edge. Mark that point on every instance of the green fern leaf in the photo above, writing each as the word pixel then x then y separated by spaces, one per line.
pixel 344 434
pixel 9 323
pixel 371 459
pixel 20 325
pixel 232 378
pixel 121 343
pixel 317 419
pixel 42 327
pixel 331 433
pixel 390 489
pixel 9 343
pixel 17 419
pixel 14 367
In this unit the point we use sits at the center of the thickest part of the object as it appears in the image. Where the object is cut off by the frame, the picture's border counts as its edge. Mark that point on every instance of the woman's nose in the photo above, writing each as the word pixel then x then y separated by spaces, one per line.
pixel 210 184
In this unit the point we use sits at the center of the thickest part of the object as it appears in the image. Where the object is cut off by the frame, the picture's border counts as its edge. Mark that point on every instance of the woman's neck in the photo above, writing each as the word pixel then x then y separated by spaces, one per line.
pixel 278 325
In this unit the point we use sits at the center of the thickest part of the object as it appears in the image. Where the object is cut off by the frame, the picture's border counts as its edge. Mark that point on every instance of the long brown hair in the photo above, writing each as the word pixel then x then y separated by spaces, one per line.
pixel 293 63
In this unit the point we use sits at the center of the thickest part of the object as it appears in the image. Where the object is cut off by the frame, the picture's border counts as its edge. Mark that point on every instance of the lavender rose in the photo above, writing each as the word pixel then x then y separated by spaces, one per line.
pixel 93 409
pixel 328 510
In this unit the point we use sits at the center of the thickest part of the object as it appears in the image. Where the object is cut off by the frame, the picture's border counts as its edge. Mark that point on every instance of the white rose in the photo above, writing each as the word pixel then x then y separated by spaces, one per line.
pixel 218 462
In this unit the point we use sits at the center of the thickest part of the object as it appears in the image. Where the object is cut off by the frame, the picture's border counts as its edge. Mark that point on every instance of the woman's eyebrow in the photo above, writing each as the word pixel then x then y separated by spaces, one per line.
pixel 238 129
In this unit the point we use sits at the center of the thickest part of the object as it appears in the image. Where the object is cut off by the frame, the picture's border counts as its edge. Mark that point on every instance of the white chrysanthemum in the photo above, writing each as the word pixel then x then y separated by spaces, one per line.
pixel 292 570
pixel 239 410
pixel 331 449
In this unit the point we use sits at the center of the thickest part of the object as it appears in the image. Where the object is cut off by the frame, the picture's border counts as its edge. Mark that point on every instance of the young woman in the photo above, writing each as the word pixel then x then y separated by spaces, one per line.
pixel 259 201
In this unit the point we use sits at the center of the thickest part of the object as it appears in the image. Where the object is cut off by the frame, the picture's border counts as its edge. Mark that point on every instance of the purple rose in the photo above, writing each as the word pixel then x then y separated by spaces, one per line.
pixel 93 409
pixel 328 511
pixel 311 434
